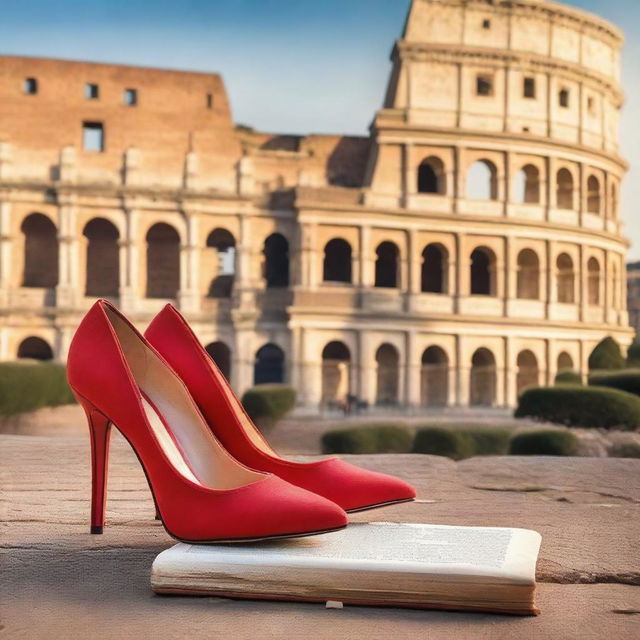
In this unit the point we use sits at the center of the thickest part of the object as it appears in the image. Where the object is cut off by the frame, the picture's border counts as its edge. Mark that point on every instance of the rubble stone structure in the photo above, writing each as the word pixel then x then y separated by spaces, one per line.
pixel 469 247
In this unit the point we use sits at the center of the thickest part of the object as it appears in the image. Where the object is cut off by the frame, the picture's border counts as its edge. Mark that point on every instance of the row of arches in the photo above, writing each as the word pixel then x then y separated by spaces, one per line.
pixel 482 184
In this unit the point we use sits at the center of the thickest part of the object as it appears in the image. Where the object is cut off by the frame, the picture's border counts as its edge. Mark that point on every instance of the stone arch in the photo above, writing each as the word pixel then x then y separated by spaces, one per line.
pixel 387 375
pixel 431 176
pixel 220 353
pixel 528 284
pixel 482 181
pixel 483 272
pixel 435 260
pixel 40 251
pixel 527 185
pixel 593 281
pixel 276 261
pixel 565 278
pixel 594 199
pixel 103 258
pixel 528 372
pixel 483 379
pixel 564 189
pixel 222 242
pixel 35 348
pixel 269 364
pixel 336 372
pixel 163 261
pixel 336 266
pixel 434 377
pixel 387 265
pixel 565 362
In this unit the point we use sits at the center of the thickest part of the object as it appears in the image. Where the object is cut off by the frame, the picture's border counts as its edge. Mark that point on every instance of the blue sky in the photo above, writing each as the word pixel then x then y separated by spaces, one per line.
pixel 304 66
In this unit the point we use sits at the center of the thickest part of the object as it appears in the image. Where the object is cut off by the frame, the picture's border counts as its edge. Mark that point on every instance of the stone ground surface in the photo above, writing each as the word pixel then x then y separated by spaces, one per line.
pixel 57 581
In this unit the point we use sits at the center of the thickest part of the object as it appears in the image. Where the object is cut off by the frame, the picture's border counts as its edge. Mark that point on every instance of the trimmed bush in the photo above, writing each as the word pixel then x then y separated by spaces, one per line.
pixel 606 355
pixel 371 439
pixel 462 443
pixel 633 354
pixel 488 441
pixel 568 376
pixel 268 403
pixel 546 442
pixel 27 387
pixel 575 406
pixel 626 380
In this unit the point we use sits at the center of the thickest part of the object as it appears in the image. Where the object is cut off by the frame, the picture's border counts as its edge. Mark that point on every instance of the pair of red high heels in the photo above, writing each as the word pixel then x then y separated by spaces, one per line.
pixel 214 478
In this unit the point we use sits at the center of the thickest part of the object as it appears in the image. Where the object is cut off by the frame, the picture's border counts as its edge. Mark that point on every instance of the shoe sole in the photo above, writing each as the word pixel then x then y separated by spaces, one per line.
pixel 377 505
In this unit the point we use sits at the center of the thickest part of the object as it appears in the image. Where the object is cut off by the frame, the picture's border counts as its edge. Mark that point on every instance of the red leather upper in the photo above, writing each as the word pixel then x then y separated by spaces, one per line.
pixel 347 485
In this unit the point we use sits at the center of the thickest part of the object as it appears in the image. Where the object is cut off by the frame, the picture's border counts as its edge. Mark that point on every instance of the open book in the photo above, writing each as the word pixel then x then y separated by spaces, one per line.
pixel 381 564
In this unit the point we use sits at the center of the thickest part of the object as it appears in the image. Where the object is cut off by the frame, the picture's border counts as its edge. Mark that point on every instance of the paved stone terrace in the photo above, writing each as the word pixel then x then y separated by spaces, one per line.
pixel 60 582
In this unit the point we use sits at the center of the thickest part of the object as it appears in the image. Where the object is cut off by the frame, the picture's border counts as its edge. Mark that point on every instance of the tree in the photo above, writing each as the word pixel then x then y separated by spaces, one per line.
pixel 606 355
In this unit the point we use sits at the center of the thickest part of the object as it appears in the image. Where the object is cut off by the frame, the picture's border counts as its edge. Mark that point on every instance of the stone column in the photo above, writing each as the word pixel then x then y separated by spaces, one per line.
pixel 461 375
pixel 190 176
pixel 509 385
pixel 509 288
pixel 189 294
pixel 68 289
pixel 550 282
pixel 129 290
pixel 366 275
pixel 6 264
pixel 309 276
pixel 367 371
pixel 412 367
pixel 461 283
pixel 582 284
pixel 311 370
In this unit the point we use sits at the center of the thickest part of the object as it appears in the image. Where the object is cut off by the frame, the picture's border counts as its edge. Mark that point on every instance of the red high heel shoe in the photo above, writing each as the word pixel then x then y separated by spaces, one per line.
pixel 352 488
pixel 201 493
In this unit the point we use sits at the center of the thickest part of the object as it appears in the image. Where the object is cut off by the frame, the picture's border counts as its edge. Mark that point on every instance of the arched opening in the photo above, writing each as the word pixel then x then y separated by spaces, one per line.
pixel 528 275
pixel 336 374
pixel 593 195
pixel 482 181
pixel 276 261
pixel 431 176
pixel 593 281
pixel 221 355
pixel 527 185
pixel 434 269
pixel 269 365
pixel 483 272
pixel 434 378
pixel 103 258
pixel 483 379
pixel 387 375
pixel 34 348
pixel 564 189
pixel 565 279
pixel 565 362
pixel 528 374
pixel 40 252
pixel 336 266
pixel 387 265
pixel 163 261
pixel 223 244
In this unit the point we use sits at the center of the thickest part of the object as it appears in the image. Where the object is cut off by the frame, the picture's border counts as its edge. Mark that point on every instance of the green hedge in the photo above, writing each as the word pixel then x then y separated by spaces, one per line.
pixel 546 442
pixel 371 439
pixel 626 380
pixel 581 407
pixel 27 387
pixel 460 443
pixel 268 403
pixel 606 355
pixel 633 354
pixel 568 376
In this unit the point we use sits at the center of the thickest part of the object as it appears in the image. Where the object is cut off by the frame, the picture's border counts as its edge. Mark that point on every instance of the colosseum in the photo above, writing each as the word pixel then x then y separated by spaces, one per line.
pixel 469 247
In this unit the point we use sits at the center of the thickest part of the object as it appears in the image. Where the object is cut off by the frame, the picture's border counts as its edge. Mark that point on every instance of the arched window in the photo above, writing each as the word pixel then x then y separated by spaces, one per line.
pixel 276 261
pixel 434 269
pixel 103 258
pixel 269 365
pixel 528 373
pixel 483 379
pixel 163 261
pixel 336 266
pixel 528 275
pixel 593 281
pixel 564 189
pixel 40 252
pixel 593 195
pixel 221 355
pixel 431 176
pixel 336 374
pixel 223 244
pixel 565 362
pixel 483 272
pixel 527 185
pixel 34 348
pixel 482 181
pixel 434 377
pixel 387 265
pixel 387 374
pixel 565 279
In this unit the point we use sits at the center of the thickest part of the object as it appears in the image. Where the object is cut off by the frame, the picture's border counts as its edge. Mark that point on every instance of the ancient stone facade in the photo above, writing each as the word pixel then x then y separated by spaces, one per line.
pixel 633 295
pixel 471 246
